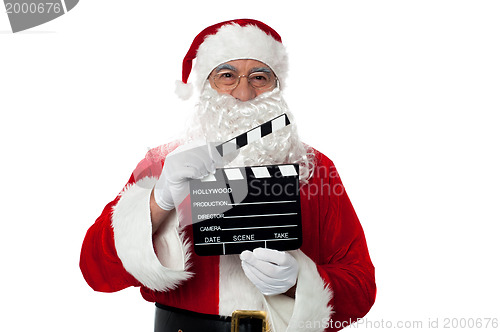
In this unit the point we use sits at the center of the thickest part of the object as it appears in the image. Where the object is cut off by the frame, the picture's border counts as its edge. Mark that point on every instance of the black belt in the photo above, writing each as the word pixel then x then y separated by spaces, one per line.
pixel 169 319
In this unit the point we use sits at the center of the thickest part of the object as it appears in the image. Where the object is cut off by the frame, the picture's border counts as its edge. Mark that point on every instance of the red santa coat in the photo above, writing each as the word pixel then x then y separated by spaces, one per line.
pixel 335 284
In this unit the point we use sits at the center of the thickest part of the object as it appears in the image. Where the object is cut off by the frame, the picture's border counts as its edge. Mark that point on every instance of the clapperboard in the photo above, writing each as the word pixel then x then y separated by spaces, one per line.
pixel 244 208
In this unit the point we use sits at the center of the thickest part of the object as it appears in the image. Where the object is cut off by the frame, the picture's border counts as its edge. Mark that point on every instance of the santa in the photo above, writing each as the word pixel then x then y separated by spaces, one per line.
pixel 140 238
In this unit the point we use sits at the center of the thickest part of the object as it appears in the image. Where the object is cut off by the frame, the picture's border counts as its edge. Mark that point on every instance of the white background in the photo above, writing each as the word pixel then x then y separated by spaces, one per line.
pixel 402 95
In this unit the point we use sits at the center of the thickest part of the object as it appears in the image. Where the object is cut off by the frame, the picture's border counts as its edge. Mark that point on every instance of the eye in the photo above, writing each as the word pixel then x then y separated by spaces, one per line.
pixel 226 76
pixel 260 79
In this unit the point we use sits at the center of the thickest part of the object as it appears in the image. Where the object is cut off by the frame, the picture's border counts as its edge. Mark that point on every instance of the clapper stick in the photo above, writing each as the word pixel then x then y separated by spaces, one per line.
pixel 253 134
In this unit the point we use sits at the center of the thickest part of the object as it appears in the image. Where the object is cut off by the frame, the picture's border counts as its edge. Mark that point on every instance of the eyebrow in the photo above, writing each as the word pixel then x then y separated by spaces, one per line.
pixel 224 66
pixel 260 69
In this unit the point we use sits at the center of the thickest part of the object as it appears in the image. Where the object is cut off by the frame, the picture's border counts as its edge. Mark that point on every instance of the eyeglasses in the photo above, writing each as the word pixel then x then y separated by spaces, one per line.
pixel 228 80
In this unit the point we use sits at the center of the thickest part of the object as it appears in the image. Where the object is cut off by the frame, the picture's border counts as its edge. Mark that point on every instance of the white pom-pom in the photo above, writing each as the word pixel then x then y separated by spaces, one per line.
pixel 182 90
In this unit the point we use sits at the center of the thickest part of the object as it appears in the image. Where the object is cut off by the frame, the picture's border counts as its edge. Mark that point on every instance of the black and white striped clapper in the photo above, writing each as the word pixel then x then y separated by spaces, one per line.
pixel 239 209
pixel 253 135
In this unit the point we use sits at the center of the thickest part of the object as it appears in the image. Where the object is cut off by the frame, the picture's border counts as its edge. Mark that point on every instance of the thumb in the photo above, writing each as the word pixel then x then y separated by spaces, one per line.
pixel 246 255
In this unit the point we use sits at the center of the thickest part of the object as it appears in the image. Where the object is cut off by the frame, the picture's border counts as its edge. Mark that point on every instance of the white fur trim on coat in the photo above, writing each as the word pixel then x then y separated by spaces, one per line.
pixel 311 310
pixel 233 42
pixel 236 291
pixel 131 223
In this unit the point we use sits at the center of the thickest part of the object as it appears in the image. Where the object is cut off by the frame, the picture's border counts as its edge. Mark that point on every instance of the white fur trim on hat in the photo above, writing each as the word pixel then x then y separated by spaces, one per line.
pixel 233 42
pixel 132 228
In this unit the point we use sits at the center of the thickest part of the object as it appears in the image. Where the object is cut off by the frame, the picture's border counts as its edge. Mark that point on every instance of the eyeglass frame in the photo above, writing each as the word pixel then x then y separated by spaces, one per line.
pixel 273 75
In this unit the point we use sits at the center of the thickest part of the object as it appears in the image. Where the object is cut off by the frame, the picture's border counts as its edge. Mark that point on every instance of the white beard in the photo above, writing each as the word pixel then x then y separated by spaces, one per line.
pixel 220 117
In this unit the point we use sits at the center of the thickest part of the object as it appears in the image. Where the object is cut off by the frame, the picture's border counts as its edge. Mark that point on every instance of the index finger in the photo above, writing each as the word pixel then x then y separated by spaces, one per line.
pixel 270 255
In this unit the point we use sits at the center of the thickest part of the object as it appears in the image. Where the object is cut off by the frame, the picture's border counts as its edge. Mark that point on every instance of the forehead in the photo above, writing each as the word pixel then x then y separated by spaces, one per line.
pixel 242 65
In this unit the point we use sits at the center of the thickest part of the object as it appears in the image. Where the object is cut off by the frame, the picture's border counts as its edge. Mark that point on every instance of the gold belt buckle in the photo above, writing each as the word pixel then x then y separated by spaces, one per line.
pixel 239 314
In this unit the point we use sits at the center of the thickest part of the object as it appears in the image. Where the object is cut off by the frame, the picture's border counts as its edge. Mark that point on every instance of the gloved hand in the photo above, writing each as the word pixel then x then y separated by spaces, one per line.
pixel 271 271
pixel 190 161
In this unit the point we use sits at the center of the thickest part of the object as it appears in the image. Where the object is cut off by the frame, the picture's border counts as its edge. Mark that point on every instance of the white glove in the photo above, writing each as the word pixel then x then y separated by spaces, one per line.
pixel 191 161
pixel 271 271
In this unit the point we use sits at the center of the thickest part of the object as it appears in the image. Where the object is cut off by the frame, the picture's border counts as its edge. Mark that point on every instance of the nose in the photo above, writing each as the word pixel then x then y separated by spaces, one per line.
pixel 244 91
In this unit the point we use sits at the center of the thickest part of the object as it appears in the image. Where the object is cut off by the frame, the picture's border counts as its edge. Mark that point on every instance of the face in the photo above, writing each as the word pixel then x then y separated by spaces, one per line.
pixel 255 78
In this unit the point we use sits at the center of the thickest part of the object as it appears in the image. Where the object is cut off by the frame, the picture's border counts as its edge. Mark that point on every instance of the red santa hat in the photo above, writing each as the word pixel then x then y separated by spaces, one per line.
pixel 232 40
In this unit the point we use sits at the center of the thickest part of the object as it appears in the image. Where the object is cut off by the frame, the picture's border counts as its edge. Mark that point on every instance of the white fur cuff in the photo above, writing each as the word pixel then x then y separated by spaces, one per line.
pixel 131 223
pixel 312 297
